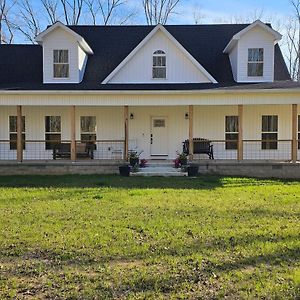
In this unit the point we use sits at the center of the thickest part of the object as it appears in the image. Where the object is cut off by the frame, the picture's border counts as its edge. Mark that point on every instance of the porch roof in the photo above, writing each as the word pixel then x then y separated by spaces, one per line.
pixel 278 85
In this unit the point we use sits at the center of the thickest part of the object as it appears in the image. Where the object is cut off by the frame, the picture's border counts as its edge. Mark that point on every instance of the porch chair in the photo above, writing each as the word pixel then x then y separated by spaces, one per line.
pixel 201 146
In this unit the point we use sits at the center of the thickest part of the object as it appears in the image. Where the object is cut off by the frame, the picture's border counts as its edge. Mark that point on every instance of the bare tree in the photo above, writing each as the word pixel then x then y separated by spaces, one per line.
pixel 106 11
pixel 72 10
pixel 28 23
pixel 293 41
pixel 159 11
pixel 6 26
pixel 51 7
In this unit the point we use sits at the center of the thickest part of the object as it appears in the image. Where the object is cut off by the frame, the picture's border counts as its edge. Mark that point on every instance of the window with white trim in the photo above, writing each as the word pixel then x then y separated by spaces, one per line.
pixel 159 68
pixel 61 63
pixel 269 134
pixel 13 132
pixel 255 62
pixel 88 129
pixel 52 131
pixel 231 132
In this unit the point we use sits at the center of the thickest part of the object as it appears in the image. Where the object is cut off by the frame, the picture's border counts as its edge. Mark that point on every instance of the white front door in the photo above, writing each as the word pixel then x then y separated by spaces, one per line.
pixel 159 137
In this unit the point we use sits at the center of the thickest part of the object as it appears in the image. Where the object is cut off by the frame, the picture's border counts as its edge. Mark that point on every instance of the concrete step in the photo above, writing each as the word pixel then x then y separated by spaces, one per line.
pixel 166 171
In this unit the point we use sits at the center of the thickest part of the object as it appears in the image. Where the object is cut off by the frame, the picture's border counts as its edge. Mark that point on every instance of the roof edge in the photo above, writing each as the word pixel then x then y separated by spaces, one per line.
pixel 81 41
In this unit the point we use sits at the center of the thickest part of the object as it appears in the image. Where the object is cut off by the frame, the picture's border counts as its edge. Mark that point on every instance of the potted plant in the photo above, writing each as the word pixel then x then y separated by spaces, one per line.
pixel 143 163
pixel 124 170
pixel 192 170
pixel 181 160
pixel 134 158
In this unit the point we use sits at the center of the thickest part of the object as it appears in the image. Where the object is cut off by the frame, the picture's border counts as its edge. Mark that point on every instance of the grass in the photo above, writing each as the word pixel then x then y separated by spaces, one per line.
pixel 107 237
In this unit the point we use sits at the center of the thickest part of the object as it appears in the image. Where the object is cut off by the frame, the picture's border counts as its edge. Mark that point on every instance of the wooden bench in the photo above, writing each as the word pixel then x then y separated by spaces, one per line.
pixel 83 150
pixel 201 146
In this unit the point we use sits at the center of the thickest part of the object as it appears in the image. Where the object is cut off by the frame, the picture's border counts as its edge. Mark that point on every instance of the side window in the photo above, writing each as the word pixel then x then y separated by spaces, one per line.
pixel 13 132
pixel 52 131
pixel 231 132
pixel 269 134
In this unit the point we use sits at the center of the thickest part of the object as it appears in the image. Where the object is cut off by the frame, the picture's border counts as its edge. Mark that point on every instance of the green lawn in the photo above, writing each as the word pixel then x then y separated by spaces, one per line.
pixel 107 237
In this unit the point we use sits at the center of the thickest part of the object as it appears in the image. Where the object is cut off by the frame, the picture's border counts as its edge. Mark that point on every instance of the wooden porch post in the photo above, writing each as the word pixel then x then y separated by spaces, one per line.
pixel 73 133
pixel 240 135
pixel 126 131
pixel 294 132
pixel 191 133
pixel 19 134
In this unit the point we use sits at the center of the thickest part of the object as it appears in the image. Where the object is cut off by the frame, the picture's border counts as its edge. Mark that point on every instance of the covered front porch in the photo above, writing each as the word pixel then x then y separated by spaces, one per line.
pixel 236 133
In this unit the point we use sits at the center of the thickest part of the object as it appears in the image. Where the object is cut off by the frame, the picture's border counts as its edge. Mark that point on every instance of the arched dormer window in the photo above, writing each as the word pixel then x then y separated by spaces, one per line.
pixel 159 70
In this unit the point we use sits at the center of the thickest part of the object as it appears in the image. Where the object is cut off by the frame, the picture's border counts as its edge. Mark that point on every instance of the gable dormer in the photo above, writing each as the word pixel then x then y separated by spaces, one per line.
pixel 159 58
pixel 251 53
pixel 65 54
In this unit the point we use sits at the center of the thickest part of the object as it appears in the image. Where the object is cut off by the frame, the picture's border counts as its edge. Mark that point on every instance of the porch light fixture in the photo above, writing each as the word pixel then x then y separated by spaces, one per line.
pixel 186 116
pixel 131 116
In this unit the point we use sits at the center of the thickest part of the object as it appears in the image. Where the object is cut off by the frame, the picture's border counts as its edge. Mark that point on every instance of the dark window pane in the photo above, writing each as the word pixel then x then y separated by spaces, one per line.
pixel 13 123
pixel 299 140
pixel 232 123
pixel 159 72
pixel 52 139
pixel 52 124
pixel 159 52
pixel 255 54
pixel 61 70
pixel 255 69
pixel 299 123
pixel 60 56
pixel 88 138
pixel 269 141
pixel 88 124
pixel 13 141
pixel 231 141
pixel 269 123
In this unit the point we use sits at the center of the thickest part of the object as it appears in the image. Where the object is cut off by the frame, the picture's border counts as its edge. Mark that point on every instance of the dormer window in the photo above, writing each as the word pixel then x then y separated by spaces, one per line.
pixel 61 63
pixel 159 70
pixel 255 62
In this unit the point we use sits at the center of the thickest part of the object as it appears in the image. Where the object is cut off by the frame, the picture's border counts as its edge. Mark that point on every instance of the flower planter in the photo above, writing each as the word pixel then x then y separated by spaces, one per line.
pixel 192 170
pixel 124 170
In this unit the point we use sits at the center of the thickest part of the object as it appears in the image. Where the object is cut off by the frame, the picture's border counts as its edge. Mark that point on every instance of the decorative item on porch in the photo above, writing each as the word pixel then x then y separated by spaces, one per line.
pixel 124 170
pixel 181 160
pixel 143 163
pixel 134 157
pixel 192 170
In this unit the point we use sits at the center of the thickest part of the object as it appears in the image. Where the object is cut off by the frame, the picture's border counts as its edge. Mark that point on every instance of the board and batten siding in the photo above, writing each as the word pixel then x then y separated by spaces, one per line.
pixel 60 40
pixel 179 68
pixel 255 38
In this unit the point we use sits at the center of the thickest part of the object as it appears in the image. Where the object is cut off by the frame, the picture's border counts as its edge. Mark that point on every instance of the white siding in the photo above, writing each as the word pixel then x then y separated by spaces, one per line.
pixel 209 123
pixel 179 67
pixel 233 56
pixel 140 128
pixel 152 98
pixel 256 38
pixel 56 40
pixel 82 61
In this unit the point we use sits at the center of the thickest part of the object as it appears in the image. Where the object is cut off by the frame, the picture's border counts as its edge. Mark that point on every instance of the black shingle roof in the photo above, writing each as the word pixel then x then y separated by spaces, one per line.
pixel 21 65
